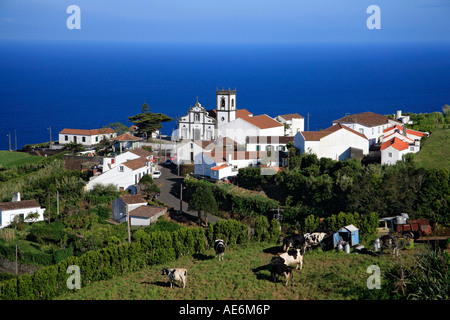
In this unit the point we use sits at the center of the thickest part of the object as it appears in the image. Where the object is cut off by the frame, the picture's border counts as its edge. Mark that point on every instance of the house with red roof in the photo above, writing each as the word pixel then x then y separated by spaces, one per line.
pixel 21 209
pixel 87 137
pixel 399 141
pixel 124 170
pixel 220 163
pixel 293 123
pixel 369 124
pixel 337 142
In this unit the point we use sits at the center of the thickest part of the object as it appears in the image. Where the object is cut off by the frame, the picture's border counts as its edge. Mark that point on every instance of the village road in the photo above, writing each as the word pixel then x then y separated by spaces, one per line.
pixel 169 184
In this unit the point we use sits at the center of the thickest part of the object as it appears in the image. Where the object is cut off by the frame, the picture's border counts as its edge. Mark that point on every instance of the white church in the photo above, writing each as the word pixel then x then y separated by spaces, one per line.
pixel 226 121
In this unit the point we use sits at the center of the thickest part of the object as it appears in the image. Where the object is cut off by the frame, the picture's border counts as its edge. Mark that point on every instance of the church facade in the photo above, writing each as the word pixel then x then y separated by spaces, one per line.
pixel 202 124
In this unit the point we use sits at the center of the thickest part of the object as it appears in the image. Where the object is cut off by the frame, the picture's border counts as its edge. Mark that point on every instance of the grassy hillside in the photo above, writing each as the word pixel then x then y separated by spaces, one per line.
pixel 435 153
pixel 244 274
pixel 11 158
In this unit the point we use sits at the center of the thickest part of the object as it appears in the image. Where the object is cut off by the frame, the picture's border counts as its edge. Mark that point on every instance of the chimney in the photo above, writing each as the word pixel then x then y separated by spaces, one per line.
pixel 404 130
pixel 399 114
pixel 229 158
pixel 16 197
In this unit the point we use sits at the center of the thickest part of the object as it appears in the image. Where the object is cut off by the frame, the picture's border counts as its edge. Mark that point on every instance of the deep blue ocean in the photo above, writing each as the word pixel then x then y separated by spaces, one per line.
pixel 87 85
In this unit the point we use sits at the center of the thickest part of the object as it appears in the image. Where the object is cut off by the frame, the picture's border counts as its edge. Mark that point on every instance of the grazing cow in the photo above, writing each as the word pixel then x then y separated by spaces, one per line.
pixel 293 256
pixel 176 274
pixel 219 246
pixel 279 268
pixel 315 238
pixel 293 241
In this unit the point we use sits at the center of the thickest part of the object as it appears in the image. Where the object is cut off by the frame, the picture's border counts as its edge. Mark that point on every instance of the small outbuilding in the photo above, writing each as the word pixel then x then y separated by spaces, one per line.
pixel 349 234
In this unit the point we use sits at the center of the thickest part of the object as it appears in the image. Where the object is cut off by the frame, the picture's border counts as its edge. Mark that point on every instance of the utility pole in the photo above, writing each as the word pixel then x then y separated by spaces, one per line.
pixel 128 226
pixel 181 198
pixel 16 261
pixel 308 122
pixel 9 134
pixel 15 136
pixel 57 203
pixel 278 215
pixel 50 128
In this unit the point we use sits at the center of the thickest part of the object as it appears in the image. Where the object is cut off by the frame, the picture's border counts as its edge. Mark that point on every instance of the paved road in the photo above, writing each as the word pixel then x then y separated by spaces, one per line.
pixel 169 184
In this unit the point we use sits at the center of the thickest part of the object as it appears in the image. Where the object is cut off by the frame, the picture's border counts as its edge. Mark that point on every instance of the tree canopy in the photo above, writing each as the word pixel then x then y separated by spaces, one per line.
pixel 147 121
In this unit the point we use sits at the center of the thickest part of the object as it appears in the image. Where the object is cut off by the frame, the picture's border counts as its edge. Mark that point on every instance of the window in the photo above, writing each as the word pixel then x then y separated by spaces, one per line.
pixel 120 168
pixel 196 117
pixel 83 139
pixel 192 145
pixel 411 148
pixel 222 104
pixel 390 154
pixel 96 139
pixel 66 138
pixel 361 131
pixel 232 103
pixel 373 130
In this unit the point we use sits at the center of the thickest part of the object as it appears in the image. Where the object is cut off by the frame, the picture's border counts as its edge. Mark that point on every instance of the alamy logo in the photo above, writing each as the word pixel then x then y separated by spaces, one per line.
pixel 74 21
pixel 74 281
pixel 374 281
pixel 374 21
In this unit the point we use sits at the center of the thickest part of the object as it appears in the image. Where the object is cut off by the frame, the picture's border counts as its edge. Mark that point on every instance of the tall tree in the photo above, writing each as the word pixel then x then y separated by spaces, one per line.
pixel 203 200
pixel 147 121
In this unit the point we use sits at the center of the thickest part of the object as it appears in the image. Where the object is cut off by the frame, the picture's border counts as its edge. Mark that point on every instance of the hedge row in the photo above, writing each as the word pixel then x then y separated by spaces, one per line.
pixel 149 249
pixel 229 200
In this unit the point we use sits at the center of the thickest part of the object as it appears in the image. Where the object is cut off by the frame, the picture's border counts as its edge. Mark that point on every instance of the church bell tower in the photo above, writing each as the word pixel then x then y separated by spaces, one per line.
pixel 226 106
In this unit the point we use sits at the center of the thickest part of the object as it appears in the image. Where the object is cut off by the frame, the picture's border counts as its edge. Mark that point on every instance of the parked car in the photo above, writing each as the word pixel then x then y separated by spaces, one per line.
pixel 156 174
pixel 168 162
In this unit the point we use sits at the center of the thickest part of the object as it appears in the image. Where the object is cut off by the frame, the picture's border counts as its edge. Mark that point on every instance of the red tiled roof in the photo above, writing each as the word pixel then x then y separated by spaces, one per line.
pixel 146 211
pixel 369 119
pixel 126 137
pixel 132 199
pixel 219 167
pixel 15 205
pixel 408 131
pixel 141 152
pixel 136 163
pixel 291 116
pixel 262 121
pixel 317 135
pixel 84 132
pixel 243 113
pixel 395 143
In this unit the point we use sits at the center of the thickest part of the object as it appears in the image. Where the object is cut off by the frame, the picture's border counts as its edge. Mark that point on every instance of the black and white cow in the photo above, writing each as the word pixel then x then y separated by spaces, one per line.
pixel 219 247
pixel 280 268
pixel 293 241
pixel 176 274
pixel 293 256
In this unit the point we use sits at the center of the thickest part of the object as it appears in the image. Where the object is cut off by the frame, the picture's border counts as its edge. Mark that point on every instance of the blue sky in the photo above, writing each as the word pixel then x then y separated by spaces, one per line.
pixel 226 21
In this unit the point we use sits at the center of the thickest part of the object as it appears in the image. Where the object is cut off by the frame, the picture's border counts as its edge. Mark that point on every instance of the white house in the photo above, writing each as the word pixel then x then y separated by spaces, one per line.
pixel 249 125
pixel 187 150
pixel 137 209
pixel 20 208
pixel 292 122
pixel 402 130
pixel 124 170
pixel 369 124
pixel 221 164
pixel 337 142
pixel 396 148
pixel 267 143
pixel 85 137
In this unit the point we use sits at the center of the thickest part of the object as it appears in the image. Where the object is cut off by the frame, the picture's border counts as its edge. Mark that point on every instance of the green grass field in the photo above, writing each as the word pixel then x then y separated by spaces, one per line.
pixel 244 274
pixel 11 158
pixel 436 151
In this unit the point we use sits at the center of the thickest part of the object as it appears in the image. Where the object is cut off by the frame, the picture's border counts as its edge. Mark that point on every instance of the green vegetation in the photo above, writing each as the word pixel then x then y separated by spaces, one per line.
pixel 435 151
pixel 245 275
pixel 14 159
